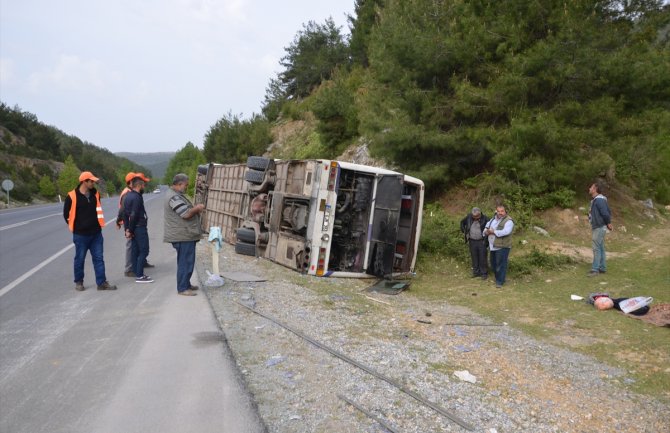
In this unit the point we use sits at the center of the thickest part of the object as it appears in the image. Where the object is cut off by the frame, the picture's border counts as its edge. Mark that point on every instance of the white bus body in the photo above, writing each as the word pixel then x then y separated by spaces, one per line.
pixel 320 217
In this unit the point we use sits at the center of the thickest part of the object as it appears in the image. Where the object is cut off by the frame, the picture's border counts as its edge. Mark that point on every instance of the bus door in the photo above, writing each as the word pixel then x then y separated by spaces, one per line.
pixel 384 225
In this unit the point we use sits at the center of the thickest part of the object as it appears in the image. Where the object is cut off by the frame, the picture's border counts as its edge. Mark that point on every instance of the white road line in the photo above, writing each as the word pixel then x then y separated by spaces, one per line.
pixel 25 276
pixel 11 226
pixel 31 272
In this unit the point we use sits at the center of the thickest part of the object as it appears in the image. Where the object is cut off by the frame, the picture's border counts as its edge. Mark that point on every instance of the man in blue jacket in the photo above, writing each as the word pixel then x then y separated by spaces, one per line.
pixel 135 222
pixel 601 221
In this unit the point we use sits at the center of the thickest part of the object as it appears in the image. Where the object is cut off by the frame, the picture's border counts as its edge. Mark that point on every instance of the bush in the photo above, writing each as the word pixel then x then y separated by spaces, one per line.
pixel 47 187
pixel 441 234
pixel 21 192
pixel 535 260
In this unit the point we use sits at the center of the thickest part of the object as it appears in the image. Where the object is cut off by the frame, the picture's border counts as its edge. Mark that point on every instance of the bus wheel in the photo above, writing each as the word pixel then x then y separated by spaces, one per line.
pixel 246 249
pixel 246 235
pixel 255 177
pixel 258 163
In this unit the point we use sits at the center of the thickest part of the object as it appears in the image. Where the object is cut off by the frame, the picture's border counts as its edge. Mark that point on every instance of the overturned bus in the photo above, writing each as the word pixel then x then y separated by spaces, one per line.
pixel 320 217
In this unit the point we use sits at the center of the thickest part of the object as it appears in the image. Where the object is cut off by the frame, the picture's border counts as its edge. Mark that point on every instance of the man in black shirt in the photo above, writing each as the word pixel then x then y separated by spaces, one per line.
pixel 83 214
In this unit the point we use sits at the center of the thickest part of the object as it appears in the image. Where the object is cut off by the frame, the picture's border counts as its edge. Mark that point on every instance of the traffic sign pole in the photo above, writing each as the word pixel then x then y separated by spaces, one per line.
pixel 7 185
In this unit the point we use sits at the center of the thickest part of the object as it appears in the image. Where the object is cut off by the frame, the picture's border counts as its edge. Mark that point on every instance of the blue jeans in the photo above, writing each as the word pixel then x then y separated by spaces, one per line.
pixel 185 263
pixel 82 244
pixel 140 250
pixel 499 259
pixel 598 244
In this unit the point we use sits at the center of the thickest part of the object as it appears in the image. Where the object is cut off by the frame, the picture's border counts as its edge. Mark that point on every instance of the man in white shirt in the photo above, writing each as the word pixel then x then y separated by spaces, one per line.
pixel 499 231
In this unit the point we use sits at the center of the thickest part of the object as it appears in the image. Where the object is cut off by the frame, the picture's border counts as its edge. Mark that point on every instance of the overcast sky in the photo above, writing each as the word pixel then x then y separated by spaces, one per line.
pixel 147 75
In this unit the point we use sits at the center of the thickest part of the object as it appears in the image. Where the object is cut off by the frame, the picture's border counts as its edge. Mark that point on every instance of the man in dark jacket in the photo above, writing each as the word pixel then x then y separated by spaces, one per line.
pixel 135 222
pixel 82 212
pixel 129 267
pixel 472 227
pixel 601 221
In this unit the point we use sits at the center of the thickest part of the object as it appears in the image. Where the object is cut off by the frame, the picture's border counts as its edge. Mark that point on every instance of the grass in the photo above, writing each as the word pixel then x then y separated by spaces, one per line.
pixel 539 303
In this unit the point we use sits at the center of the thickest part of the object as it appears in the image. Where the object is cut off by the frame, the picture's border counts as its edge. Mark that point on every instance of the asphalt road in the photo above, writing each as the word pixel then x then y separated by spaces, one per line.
pixel 139 359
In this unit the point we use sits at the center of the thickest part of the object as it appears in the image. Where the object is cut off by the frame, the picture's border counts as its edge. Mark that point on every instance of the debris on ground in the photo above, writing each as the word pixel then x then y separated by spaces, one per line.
pixel 465 376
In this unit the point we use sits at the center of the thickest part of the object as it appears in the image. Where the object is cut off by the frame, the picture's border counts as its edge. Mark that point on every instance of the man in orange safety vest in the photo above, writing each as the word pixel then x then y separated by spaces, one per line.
pixel 83 214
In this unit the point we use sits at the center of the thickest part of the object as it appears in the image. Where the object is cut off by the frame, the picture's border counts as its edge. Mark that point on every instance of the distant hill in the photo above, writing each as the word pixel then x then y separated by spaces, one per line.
pixel 35 156
pixel 157 162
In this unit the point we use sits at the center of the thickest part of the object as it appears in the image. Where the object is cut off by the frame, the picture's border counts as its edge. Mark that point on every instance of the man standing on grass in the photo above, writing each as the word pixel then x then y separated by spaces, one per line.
pixel 601 221
pixel 499 231
pixel 472 226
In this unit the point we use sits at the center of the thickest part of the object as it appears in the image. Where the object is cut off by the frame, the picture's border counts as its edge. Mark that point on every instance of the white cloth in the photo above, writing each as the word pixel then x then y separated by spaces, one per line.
pixel 216 237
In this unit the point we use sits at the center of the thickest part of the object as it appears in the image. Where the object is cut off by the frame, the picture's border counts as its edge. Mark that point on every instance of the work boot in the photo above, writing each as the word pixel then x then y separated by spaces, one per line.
pixel 130 274
pixel 79 286
pixel 106 286
pixel 148 265
pixel 187 292
pixel 193 287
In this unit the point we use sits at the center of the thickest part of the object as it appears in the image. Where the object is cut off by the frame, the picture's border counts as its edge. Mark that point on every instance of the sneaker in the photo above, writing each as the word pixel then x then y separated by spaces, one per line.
pixel 130 274
pixel 187 292
pixel 144 279
pixel 106 286
pixel 485 277
pixel 498 286
pixel 148 265
pixel 79 286
pixel 592 273
pixel 193 288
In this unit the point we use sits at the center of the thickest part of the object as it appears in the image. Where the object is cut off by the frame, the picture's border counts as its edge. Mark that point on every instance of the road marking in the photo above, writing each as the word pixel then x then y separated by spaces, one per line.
pixel 31 272
pixel 11 226
pixel 28 274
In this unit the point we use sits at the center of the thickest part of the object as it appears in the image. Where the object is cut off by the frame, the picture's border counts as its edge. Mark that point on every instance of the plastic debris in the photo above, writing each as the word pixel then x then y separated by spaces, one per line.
pixel 213 280
pixel 276 359
pixel 465 376
pixel 576 297
pixel 463 349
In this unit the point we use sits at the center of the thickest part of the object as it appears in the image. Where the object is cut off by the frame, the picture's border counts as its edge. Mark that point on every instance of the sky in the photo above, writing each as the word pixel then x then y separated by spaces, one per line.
pixel 147 75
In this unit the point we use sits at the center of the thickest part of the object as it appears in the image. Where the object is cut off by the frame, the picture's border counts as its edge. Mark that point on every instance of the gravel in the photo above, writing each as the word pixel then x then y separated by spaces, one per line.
pixel 521 384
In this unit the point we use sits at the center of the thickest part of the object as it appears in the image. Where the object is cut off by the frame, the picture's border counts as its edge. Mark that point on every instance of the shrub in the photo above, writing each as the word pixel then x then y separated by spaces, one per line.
pixel 536 259
pixel 441 234
pixel 47 187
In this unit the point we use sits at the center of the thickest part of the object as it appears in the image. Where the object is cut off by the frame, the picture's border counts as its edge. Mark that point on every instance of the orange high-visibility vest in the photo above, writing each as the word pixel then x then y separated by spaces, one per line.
pixel 73 210
pixel 124 192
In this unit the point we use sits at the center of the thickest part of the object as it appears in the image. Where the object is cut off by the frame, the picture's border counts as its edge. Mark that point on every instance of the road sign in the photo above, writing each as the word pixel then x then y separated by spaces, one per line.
pixel 7 185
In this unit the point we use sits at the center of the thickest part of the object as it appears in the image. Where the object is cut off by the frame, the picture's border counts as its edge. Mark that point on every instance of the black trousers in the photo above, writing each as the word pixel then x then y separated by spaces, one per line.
pixel 478 255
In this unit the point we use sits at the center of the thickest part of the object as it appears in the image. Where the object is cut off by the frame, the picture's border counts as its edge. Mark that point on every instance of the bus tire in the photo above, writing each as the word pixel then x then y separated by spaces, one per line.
pixel 258 163
pixel 246 235
pixel 254 176
pixel 246 249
